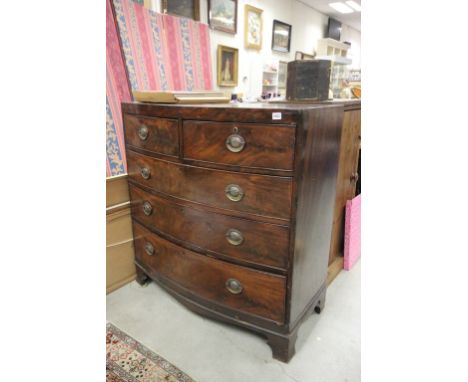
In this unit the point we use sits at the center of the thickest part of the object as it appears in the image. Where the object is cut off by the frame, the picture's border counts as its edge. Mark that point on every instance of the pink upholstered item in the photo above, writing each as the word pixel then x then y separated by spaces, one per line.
pixel 352 244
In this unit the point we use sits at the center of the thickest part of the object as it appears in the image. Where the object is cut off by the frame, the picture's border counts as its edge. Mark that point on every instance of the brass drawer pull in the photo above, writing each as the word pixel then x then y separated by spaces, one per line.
pixel 234 237
pixel 234 192
pixel 143 132
pixel 235 143
pixel 147 208
pixel 149 249
pixel 145 172
pixel 234 286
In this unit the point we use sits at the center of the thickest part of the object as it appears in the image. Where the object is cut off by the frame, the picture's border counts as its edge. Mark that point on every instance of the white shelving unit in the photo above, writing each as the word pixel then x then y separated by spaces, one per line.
pixel 269 82
pixel 335 51
pixel 327 47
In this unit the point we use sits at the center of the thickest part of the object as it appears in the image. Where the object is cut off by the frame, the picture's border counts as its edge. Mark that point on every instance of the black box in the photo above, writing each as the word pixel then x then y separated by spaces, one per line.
pixel 308 80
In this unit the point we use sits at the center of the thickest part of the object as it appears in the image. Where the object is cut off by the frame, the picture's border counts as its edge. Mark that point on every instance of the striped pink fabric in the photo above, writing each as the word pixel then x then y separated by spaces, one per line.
pixel 352 245
pixel 117 90
pixel 162 52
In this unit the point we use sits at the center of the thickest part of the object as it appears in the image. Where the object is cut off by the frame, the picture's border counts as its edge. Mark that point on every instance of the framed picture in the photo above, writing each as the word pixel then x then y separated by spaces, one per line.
pixel 304 56
pixel 183 8
pixel 253 27
pixel 282 74
pixel 281 40
pixel 227 65
pixel 222 15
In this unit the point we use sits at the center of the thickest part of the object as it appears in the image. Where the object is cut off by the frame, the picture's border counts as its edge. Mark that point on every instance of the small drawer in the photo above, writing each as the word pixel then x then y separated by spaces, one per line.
pixel 240 239
pixel 240 144
pixel 236 287
pixel 160 135
pixel 263 195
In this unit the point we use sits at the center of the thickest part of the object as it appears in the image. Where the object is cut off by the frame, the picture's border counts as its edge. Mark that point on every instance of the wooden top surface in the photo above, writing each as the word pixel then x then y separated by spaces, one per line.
pixel 261 112
pixel 283 105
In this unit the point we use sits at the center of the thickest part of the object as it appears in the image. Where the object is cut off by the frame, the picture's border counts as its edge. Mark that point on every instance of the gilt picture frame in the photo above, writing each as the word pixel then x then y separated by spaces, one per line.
pixel 227 66
pixel 253 27
pixel 222 15
pixel 182 8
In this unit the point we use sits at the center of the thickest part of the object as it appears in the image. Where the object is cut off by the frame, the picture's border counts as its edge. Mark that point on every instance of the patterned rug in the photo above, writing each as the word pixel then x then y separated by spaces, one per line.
pixel 129 361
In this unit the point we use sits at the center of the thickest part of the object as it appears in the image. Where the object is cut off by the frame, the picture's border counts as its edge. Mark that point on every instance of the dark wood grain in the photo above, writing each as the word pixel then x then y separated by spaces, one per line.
pixel 198 229
pixel 264 195
pixel 265 145
pixel 316 189
pixel 163 134
pixel 263 294
pixel 286 221
pixel 252 113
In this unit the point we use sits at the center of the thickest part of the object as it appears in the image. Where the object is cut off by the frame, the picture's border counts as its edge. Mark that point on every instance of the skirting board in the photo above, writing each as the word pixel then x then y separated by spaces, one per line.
pixel 120 269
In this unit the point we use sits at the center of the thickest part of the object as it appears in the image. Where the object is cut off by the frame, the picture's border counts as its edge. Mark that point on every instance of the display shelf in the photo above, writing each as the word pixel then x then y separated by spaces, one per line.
pixel 331 47
pixel 338 60
pixel 269 81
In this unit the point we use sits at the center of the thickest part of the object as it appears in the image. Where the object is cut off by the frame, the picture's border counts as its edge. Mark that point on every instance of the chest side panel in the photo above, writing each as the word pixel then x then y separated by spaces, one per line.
pixel 316 188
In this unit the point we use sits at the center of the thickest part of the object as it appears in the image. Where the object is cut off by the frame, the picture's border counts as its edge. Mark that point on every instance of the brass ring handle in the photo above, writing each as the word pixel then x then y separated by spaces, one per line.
pixel 145 172
pixel 234 286
pixel 234 192
pixel 234 237
pixel 149 249
pixel 143 132
pixel 147 208
pixel 235 143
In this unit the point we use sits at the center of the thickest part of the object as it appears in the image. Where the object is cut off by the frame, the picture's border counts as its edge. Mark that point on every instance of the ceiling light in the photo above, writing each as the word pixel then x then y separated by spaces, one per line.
pixel 341 7
pixel 354 5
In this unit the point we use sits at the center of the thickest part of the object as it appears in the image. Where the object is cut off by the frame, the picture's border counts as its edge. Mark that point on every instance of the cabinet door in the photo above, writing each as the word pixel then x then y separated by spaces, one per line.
pixel 347 177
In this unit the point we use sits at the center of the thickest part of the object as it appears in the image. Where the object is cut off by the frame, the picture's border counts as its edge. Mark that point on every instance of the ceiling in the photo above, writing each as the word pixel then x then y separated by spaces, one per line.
pixel 351 19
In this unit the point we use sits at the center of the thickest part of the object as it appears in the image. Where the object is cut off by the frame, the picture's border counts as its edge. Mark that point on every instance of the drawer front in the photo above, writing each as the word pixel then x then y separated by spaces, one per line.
pixel 257 194
pixel 246 240
pixel 160 135
pixel 240 144
pixel 233 286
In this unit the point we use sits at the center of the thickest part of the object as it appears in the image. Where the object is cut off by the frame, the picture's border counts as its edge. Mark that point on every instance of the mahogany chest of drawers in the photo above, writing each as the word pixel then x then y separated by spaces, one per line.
pixel 232 209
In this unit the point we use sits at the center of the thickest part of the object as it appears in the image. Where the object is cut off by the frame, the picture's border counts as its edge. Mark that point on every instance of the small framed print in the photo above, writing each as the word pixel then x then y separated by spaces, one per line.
pixel 227 66
pixel 253 27
pixel 182 8
pixel 222 15
pixel 281 40
pixel 304 56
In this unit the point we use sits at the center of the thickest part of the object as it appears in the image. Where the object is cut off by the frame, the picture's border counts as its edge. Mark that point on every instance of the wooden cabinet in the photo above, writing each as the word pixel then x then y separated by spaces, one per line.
pixel 234 217
pixel 346 181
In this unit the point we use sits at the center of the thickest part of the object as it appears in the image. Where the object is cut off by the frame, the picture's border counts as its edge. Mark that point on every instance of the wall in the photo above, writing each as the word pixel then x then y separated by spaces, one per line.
pixel 308 25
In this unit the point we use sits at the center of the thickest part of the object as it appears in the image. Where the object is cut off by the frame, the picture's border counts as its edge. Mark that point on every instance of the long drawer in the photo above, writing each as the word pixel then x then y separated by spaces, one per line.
pixel 236 287
pixel 240 144
pixel 256 194
pixel 241 239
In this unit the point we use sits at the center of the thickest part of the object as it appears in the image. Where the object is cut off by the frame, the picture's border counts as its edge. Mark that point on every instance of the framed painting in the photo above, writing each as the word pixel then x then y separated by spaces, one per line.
pixel 253 27
pixel 182 8
pixel 281 39
pixel 304 56
pixel 227 65
pixel 222 15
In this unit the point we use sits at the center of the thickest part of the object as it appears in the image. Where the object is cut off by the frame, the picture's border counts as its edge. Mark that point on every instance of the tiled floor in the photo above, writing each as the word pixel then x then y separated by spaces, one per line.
pixel 327 349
